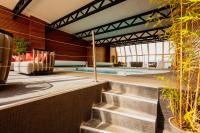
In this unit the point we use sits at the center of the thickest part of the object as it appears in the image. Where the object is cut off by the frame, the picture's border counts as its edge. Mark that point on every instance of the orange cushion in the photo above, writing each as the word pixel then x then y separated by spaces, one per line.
pixel 29 56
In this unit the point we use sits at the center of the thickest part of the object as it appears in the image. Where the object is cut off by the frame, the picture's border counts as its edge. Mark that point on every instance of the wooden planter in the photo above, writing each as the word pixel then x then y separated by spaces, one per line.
pixel 6 42
pixel 175 129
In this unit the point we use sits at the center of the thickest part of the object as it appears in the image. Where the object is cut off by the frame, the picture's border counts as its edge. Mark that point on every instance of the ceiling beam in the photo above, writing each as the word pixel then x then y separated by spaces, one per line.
pixel 150 16
pixel 150 39
pixel 21 5
pixel 146 35
pixel 85 11
pixel 136 41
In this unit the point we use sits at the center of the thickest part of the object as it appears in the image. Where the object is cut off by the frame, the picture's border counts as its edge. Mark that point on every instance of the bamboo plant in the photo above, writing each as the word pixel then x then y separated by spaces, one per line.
pixel 184 32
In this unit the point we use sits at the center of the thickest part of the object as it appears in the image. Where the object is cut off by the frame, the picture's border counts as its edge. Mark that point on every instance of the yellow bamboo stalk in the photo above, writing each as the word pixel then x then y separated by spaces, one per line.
pixel 197 91
pixel 189 75
pixel 181 65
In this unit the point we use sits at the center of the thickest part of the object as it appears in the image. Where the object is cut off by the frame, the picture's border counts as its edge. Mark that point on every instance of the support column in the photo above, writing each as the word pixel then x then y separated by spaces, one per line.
pixel 107 57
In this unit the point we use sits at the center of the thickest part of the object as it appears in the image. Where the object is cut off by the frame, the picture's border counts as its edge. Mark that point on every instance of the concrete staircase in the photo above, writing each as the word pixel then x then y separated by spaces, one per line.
pixel 124 108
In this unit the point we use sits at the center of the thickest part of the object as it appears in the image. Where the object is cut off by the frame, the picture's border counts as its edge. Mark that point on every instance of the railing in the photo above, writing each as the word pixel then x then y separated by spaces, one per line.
pixel 94 56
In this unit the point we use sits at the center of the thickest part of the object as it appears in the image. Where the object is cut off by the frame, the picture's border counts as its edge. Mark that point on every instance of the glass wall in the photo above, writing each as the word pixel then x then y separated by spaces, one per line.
pixel 160 52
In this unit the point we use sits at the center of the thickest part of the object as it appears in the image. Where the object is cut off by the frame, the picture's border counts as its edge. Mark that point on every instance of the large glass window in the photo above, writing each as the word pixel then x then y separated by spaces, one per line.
pixel 118 51
pixel 129 59
pixel 139 49
pixel 121 54
pixel 151 52
pixel 159 49
pixel 128 52
pixel 134 58
pixel 166 47
pixel 152 48
pixel 133 51
pixel 122 51
pixel 144 49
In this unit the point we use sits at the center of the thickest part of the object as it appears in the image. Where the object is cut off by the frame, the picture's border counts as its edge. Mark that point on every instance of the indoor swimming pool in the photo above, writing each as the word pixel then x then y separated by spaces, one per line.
pixel 117 71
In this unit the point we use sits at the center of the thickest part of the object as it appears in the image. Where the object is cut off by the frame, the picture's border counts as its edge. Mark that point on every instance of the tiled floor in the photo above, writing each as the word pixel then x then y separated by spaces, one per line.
pixel 22 87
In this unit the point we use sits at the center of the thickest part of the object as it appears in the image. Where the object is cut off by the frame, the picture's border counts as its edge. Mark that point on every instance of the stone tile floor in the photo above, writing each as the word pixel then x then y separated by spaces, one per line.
pixel 23 87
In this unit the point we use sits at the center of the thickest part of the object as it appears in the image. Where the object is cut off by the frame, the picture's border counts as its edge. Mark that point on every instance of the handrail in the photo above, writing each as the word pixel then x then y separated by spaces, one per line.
pixel 94 56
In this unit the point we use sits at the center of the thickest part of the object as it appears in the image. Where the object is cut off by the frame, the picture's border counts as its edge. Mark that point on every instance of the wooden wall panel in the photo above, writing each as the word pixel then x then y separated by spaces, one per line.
pixel 33 29
pixel 23 27
pixel 37 33
pixel 19 27
pixel 101 55
pixel 66 44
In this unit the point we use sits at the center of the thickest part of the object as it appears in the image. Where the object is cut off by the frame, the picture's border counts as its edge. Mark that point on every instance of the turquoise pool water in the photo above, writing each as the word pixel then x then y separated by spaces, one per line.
pixel 117 71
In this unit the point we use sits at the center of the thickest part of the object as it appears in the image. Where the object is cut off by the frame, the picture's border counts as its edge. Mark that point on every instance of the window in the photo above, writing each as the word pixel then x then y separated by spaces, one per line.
pixel 139 49
pixel 122 51
pixel 152 52
pixel 159 48
pixel 159 58
pixel 152 48
pixel 119 59
pixel 146 58
pixel 140 58
pixel 152 58
pixel 133 51
pixel 123 59
pixel 121 54
pixel 118 51
pixel 134 58
pixel 129 59
pixel 166 48
pixel 145 49
pixel 128 52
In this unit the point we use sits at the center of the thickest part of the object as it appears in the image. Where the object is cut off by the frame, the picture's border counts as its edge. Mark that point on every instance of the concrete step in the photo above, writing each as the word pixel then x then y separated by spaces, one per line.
pixel 133 120
pixel 97 126
pixel 137 90
pixel 136 103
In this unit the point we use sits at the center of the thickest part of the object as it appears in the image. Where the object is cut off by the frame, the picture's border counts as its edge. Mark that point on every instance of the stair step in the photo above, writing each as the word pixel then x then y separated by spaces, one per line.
pixel 129 101
pixel 144 91
pixel 127 118
pixel 97 126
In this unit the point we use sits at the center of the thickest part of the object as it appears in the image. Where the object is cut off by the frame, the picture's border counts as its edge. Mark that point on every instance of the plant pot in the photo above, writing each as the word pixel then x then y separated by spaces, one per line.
pixel 175 129
pixel 6 42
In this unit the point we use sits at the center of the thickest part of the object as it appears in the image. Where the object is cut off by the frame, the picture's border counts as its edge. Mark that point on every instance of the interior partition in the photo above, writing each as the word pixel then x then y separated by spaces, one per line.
pixel 61 113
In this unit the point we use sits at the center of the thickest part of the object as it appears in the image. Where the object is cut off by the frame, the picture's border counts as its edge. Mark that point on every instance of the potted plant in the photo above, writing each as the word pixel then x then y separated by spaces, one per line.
pixel 6 44
pixel 21 46
pixel 184 32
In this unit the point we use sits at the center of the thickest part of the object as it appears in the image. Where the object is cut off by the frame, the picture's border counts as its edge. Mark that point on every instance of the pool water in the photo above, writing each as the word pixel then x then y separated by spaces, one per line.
pixel 117 71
